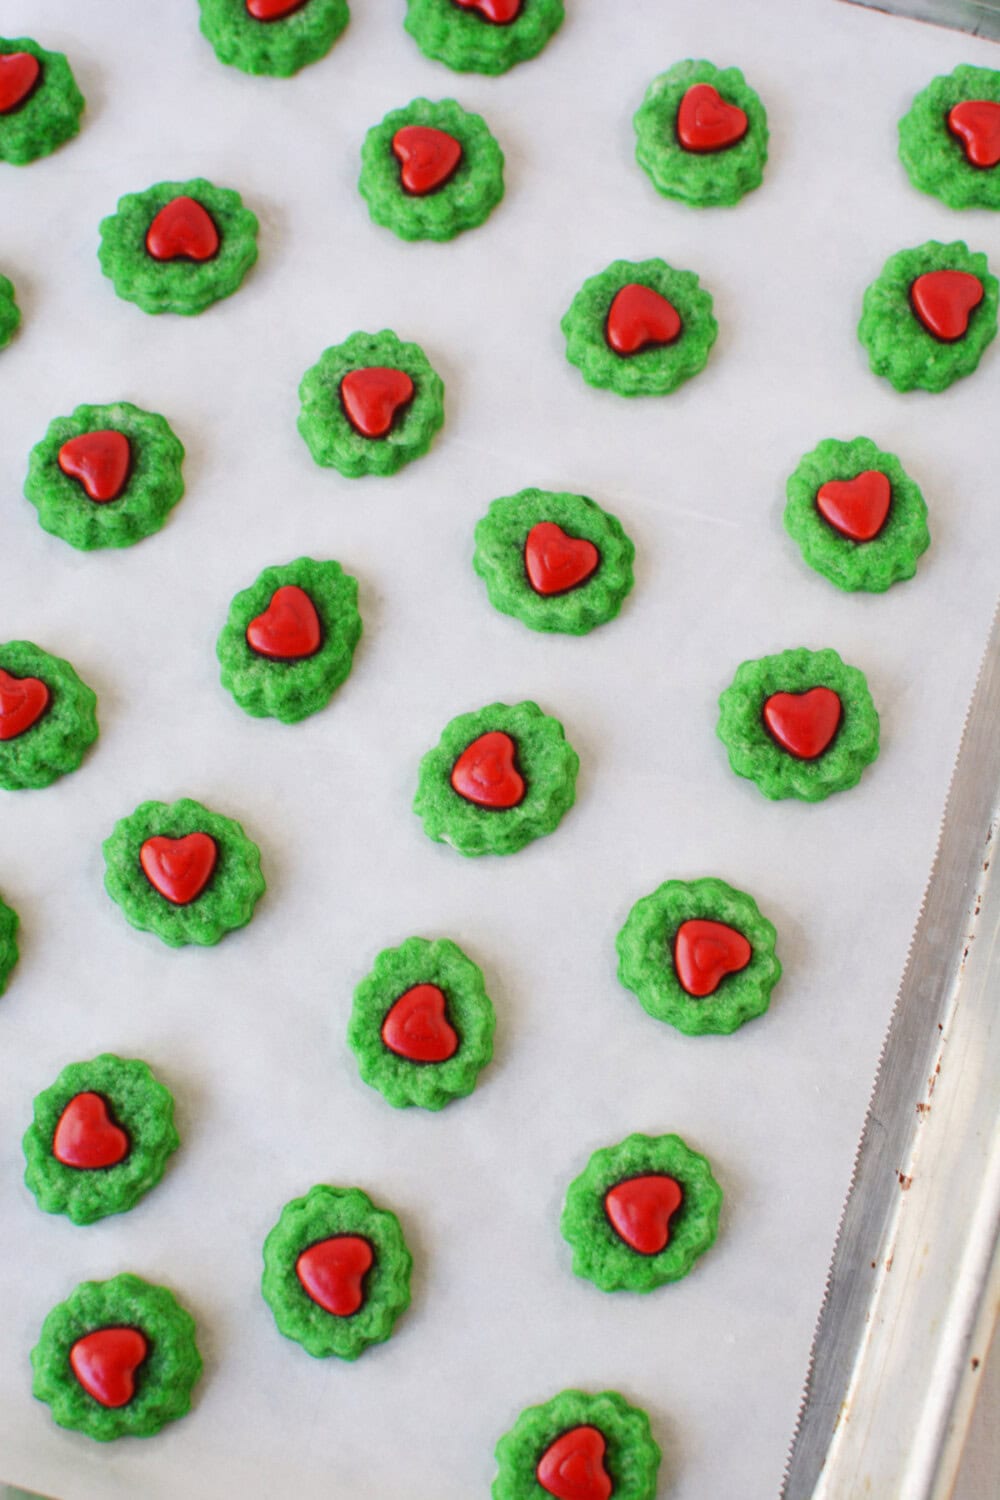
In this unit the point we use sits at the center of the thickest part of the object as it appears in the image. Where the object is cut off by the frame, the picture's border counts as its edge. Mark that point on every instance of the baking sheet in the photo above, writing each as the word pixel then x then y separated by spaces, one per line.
pixel 250 1036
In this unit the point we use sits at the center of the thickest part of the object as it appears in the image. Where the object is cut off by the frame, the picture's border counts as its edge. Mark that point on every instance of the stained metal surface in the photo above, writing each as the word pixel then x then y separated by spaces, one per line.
pixel 981 17
pixel 914 1284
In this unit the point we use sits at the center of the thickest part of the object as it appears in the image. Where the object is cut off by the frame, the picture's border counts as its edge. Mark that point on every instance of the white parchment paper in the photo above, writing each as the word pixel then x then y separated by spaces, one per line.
pixel 251 1036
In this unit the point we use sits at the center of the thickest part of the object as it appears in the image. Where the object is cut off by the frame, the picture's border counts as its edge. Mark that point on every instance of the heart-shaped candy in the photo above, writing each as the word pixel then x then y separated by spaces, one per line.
pixel 23 700
pixel 944 300
pixel 332 1273
pixel 705 952
pixel 372 397
pixel 182 230
pixel 417 1026
pixel 804 723
pixel 640 1210
pixel 19 73
pixel 639 318
pixel 181 868
pixel 705 122
pixel 976 122
pixel 272 10
pixel 99 460
pixel 572 1468
pixel 856 507
pixel 428 158
pixel 500 12
pixel 86 1136
pixel 555 562
pixel 105 1362
pixel 288 629
pixel 486 772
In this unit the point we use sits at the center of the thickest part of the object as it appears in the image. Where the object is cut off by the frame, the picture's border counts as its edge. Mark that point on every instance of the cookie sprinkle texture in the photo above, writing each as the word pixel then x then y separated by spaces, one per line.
pixel 10 313
pixel 336 1272
pixel 499 778
pixel 117 1359
pixel 107 476
pixel 422 1024
pixel 701 134
pixel 431 170
pixel 858 517
pixel 272 37
pixel 700 955
pixel 40 104
pixel 179 246
pixel 556 561
pixel 370 405
pixel 578 1446
pixel 48 718
pixel 289 641
pixel 800 724
pixel 9 923
pixel 182 872
pixel 100 1138
pixel 482 36
pixel 641 1213
pixel 929 316
pixel 640 328
pixel 949 139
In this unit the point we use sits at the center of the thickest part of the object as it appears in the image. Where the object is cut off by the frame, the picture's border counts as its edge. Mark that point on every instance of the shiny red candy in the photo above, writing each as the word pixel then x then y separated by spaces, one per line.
pixel 288 629
pixel 705 952
pixel 428 157
pixel 640 1210
pixel 105 1362
pixel 705 122
pixel 100 461
pixel 944 300
pixel 572 1468
pixel 179 869
pixel 373 396
pixel 182 230
pixel 804 723
pixel 332 1273
pixel 486 773
pixel 639 318
pixel 272 10
pixel 417 1026
pixel 856 507
pixel 500 12
pixel 86 1136
pixel 19 72
pixel 23 700
pixel 976 122
pixel 555 562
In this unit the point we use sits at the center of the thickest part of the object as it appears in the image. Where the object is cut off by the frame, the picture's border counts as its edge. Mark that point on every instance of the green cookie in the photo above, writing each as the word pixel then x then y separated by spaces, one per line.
pixel 482 36
pixel 947 138
pixel 248 35
pixel 602 1437
pixel 45 104
pixel 10 313
pixel 702 134
pixel 48 718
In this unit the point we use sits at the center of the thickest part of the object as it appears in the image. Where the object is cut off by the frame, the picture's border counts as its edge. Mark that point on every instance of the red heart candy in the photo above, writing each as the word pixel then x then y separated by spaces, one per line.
pixel 856 507
pixel 182 230
pixel 289 628
pixel 428 157
pixel 373 396
pixel 99 460
pixel 640 1210
pixel 179 869
pixel 804 723
pixel 86 1136
pixel 639 317
pixel 705 122
pixel 500 12
pixel 105 1362
pixel 331 1272
pixel 272 10
pixel 417 1026
pixel 705 952
pixel 572 1468
pixel 23 700
pixel 19 73
pixel 976 122
pixel 556 562
pixel 943 301
pixel 486 774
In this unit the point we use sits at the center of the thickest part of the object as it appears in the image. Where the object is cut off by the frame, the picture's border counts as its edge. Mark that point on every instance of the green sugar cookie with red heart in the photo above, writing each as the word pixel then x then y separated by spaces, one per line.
pixel 336 1272
pixel 183 872
pixel 499 778
pixel 274 38
pixel 422 1024
pixel 48 717
pixel 100 1138
pixel 482 36
pixel 858 517
pixel 554 560
pixel 178 246
pixel 701 134
pixel 929 316
pixel 105 476
pixel 699 954
pixel 949 139
pixel 800 724
pixel 117 1359
pixel 40 103
pixel 641 1213
pixel 578 1446
pixel 289 640
pixel 370 405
